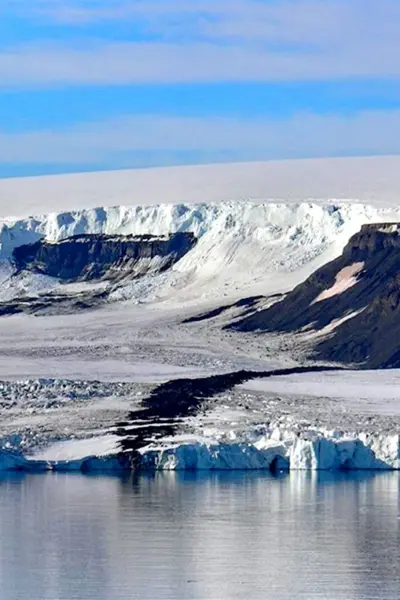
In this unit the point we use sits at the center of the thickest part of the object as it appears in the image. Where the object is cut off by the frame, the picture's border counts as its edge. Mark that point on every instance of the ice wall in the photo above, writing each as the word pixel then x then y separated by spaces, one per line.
pixel 241 244
pixel 328 451
pixel 280 450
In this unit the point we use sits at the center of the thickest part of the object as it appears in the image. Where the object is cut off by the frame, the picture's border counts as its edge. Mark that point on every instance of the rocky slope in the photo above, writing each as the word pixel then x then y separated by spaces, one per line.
pixel 103 257
pixel 34 280
pixel 353 302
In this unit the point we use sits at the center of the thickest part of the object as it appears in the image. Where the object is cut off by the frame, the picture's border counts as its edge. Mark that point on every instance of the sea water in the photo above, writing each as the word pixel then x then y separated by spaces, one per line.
pixel 207 536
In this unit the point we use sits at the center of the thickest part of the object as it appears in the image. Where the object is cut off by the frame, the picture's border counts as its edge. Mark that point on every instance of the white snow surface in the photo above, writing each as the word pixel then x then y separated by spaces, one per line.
pixel 368 391
pixel 367 179
pixel 76 450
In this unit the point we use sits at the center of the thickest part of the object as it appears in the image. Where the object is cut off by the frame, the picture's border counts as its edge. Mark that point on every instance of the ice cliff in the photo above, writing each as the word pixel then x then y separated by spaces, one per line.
pixel 317 450
pixel 279 450
pixel 263 246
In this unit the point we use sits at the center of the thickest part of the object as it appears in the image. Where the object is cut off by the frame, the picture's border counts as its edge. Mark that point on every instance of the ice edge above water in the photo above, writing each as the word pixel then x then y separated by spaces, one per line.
pixel 279 451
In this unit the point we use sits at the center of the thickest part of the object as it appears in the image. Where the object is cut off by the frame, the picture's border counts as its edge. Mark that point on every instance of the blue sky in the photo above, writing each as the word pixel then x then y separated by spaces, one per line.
pixel 90 84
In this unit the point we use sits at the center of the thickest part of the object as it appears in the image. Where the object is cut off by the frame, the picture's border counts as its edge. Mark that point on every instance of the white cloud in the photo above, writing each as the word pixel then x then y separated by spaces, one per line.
pixel 132 63
pixel 295 15
pixel 204 40
pixel 302 135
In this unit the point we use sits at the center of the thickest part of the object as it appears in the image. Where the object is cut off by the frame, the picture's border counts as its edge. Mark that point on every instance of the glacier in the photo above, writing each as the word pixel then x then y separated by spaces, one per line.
pixel 315 420
pixel 261 229
pixel 243 247
pixel 283 450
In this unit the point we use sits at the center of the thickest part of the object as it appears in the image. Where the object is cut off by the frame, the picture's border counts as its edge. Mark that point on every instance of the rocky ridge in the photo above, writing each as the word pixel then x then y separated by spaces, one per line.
pixel 350 307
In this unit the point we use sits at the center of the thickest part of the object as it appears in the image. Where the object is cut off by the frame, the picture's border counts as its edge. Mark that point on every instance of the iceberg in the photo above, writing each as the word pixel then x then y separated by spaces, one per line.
pixel 15 462
pixel 218 457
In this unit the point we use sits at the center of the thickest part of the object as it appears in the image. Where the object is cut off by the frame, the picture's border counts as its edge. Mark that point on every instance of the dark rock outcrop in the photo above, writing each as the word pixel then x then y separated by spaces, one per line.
pixel 247 304
pixel 103 257
pixel 356 297
pixel 112 259
pixel 162 411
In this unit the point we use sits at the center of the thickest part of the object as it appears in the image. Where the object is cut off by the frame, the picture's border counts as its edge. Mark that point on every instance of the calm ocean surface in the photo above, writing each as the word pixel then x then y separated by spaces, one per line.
pixel 207 536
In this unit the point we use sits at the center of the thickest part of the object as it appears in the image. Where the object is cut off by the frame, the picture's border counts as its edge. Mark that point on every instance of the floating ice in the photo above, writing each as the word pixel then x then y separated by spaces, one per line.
pixel 317 452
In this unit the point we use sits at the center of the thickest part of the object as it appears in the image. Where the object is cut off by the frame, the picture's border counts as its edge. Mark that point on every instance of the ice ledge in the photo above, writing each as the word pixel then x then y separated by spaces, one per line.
pixel 279 450
pixel 282 451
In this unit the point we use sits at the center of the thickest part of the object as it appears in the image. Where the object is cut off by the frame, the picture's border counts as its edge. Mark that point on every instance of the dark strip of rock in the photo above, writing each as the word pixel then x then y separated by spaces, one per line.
pixel 162 412
pixel 54 304
pixel 246 303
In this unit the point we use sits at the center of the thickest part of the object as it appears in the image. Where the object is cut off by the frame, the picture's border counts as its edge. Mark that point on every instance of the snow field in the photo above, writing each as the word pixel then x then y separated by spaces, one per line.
pixel 372 180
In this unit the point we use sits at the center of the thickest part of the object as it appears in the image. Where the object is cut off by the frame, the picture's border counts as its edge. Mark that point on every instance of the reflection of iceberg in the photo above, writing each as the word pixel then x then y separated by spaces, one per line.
pixel 12 461
pixel 280 451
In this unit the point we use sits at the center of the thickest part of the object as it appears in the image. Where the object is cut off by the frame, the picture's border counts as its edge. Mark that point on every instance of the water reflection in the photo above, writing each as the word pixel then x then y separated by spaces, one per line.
pixel 201 536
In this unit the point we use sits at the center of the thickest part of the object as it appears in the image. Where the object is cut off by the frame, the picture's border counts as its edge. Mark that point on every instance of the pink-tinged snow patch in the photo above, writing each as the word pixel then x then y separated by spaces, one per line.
pixel 345 279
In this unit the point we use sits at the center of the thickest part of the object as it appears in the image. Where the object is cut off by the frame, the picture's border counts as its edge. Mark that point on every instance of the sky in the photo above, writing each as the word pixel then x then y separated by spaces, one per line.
pixel 107 84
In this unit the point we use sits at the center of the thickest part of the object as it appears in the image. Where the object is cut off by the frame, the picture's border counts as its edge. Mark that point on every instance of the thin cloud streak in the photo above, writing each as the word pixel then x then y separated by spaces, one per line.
pixel 134 63
pixel 299 21
pixel 200 40
pixel 301 14
pixel 303 135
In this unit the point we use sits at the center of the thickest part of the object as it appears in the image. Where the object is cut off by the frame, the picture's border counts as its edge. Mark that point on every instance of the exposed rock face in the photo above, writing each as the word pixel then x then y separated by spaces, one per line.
pixel 112 259
pixel 96 257
pixel 355 300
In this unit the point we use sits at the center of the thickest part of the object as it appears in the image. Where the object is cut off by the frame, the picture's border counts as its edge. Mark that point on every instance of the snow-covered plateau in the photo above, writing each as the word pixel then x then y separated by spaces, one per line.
pixel 72 382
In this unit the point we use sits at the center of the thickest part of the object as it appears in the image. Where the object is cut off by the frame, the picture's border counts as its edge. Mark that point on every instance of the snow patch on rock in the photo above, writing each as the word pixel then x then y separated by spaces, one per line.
pixel 345 279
